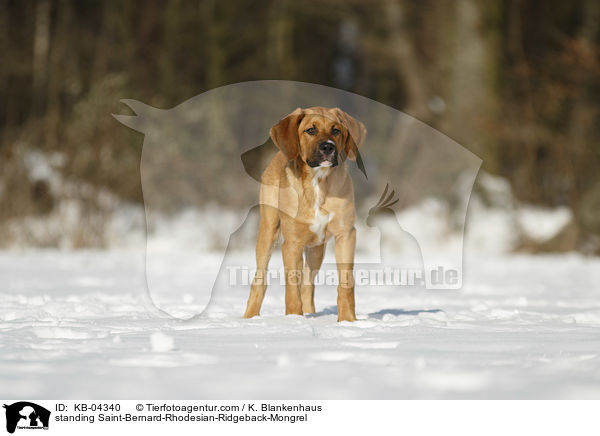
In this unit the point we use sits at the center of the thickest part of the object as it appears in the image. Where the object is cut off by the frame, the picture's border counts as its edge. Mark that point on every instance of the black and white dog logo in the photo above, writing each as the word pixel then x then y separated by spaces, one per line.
pixel 26 415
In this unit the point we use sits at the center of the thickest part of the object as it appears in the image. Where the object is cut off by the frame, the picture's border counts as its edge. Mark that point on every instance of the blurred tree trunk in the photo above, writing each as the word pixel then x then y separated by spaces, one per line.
pixel 583 115
pixel 111 22
pixel 582 123
pixel 406 60
pixel 4 43
pixel 518 160
pixel 215 68
pixel 63 51
pixel 41 43
pixel 280 40
pixel 473 92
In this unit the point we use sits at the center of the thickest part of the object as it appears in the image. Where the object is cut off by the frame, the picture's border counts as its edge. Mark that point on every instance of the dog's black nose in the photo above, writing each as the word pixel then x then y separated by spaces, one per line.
pixel 326 147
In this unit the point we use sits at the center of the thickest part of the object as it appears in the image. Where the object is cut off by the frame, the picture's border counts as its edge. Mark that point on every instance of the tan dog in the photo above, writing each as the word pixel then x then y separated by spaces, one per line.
pixel 307 195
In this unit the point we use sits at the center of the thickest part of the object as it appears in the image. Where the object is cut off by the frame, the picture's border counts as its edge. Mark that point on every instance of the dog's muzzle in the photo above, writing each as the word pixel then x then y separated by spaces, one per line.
pixel 324 156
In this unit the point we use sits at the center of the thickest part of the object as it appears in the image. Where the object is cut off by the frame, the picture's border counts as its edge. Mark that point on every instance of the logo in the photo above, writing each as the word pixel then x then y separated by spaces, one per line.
pixel 26 415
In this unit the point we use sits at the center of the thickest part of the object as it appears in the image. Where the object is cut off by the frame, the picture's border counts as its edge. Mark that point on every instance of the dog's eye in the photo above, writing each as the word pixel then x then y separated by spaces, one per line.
pixel 311 131
pixel 335 130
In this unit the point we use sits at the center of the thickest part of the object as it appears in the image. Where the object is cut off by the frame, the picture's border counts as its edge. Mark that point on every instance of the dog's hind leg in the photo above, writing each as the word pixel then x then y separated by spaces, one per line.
pixel 314 259
pixel 268 232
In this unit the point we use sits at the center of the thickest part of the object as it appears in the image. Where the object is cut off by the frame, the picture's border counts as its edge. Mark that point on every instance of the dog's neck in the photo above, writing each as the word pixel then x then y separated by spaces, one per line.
pixel 325 180
pixel 320 173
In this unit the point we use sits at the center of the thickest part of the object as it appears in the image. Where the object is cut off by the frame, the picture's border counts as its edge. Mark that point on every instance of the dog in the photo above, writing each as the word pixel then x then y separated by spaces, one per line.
pixel 306 195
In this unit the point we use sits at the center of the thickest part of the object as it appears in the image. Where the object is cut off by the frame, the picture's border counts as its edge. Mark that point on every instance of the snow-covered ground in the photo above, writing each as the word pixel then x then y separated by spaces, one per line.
pixel 80 324
pixel 85 324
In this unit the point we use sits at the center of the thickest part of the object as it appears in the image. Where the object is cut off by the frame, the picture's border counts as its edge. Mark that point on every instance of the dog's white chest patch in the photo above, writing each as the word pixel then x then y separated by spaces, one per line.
pixel 320 220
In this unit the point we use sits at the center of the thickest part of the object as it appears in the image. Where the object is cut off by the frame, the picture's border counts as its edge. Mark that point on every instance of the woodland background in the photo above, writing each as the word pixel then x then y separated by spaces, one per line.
pixel 517 82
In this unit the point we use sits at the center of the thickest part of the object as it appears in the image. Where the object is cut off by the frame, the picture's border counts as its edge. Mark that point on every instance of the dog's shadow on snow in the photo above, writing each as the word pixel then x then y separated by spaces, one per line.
pixel 332 310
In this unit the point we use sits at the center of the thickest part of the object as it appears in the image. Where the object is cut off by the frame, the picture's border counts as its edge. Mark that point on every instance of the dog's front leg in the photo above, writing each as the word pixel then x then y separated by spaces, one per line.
pixel 345 244
pixel 292 261
pixel 313 261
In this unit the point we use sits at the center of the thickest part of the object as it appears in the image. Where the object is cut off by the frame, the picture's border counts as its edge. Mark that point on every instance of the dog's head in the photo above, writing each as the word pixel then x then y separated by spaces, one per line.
pixel 319 137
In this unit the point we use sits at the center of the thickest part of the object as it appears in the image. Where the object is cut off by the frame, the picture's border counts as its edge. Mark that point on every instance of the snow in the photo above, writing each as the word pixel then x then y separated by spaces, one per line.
pixel 161 343
pixel 84 324
pixel 541 224
pixel 80 324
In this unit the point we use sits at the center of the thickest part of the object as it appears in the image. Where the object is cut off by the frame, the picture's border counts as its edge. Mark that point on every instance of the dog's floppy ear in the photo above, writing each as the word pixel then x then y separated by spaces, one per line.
pixel 285 134
pixel 356 135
